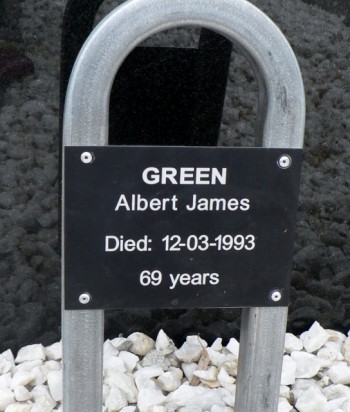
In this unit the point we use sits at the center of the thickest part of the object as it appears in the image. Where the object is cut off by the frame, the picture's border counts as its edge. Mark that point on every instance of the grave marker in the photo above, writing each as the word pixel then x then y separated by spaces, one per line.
pixel 281 126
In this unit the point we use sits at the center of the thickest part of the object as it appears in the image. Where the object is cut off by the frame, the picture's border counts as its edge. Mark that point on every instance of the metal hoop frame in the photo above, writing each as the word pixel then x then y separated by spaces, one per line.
pixel 280 124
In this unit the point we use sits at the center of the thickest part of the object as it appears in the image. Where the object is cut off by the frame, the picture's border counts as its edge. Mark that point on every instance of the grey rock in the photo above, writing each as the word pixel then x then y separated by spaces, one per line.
pixel 7 200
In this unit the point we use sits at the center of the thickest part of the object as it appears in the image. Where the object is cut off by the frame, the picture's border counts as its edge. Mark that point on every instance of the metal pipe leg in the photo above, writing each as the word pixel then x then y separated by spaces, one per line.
pixel 260 359
pixel 82 339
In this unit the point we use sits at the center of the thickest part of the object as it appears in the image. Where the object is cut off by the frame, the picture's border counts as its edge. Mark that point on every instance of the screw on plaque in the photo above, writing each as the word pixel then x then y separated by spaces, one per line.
pixel 87 157
pixel 284 161
pixel 84 298
pixel 276 295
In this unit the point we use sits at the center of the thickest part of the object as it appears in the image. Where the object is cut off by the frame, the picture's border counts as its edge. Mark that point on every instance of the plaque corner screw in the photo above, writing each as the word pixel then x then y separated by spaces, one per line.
pixel 87 157
pixel 276 295
pixel 284 162
pixel 84 298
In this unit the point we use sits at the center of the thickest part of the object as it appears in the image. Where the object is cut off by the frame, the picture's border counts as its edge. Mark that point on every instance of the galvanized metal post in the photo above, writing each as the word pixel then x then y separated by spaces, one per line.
pixel 260 359
pixel 280 123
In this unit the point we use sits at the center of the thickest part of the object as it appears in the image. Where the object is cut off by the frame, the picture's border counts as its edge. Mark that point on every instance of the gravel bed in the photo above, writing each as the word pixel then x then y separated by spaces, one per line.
pixel 145 375
pixel 29 143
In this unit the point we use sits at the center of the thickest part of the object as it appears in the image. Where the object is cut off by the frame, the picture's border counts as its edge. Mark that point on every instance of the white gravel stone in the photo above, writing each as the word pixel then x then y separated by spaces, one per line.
pixel 196 340
pixel 170 380
pixel 307 364
pixel 28 365
pixel 211 384
pixel 114 363
pixel 188 369
pixel 54 351
pixel 217 344
pixel 284 405
pixel 145 383
pixel 164 344
pixel 339 372
pixel 19 407
pixel 233 346
pixel 5 380
pixel 121 343
pixel 31 352
pixel 105 392
pixel 21 378
pixel 217 408
pixel 149 397
pixel 285 392
pixel 335 336
pixel 22 394
pixel 346 349
pixel 5 365
pixel 324 381
pixel 39 375
pixel 42 396
pixel 334 405
pixel 226 381
pixel 130 360
pixel 109 349
pixel 336 391
pixel 41 405
pixel 189 353
pixel 227 396
pixel 8 355
pixel 311 400
pixel 345 406
pixel 173 360
pixel 124 382
pixel 156 358
pixel 327 356
pixel 209 374
pixel 192 408
pixel 187 395
pixel 215 356
pixel 149 372
pixel 334 345
pixel 6 398
pixel 157 408
pixel 230 363
pixel 292 343
pixel 53 365
pixel 141 344
pixel 301 386
pixel 289 367
pixel 116 400
pixel 55 384
pixel 314 338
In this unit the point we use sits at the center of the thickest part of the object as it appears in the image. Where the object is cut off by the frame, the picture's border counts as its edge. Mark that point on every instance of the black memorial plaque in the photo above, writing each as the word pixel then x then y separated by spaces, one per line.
pixel 178 227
